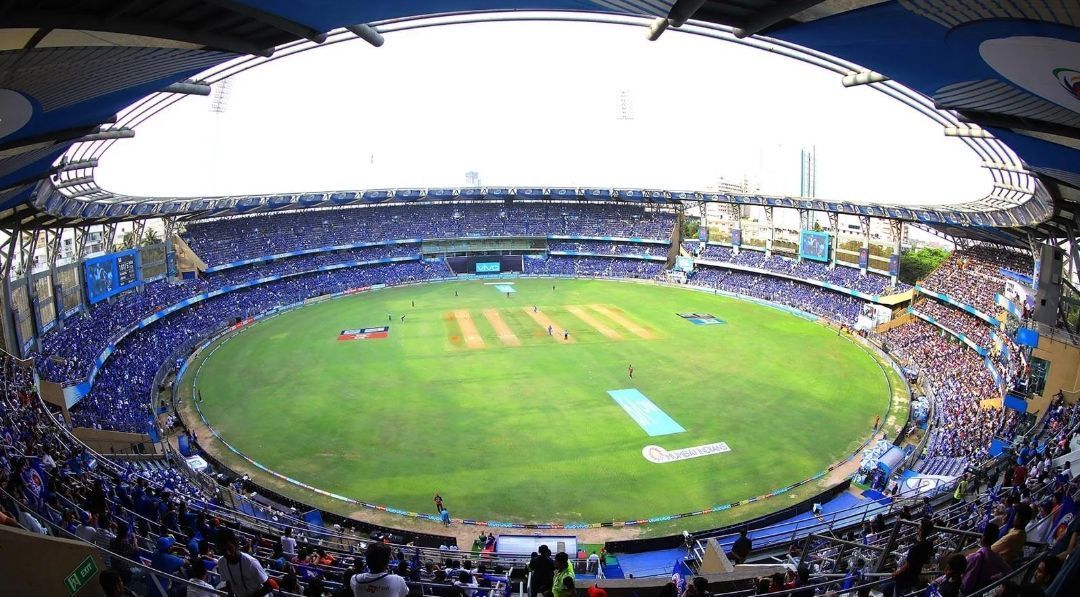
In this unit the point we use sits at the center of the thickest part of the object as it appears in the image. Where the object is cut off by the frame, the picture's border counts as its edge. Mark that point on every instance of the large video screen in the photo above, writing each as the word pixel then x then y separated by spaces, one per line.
pixel 814 245
pixel 488 267
pixel 111 274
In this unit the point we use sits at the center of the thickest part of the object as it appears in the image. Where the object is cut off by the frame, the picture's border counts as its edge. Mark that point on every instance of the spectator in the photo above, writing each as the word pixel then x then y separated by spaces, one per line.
pixel 563 571
pixel 288 544
pixel 466 583
pixel 799 581
pixel 315 588
pixel 123 544
pixel 1046 572
pixel 983 565
pixel 242 573
pixel 701 585
pixel 740 550
pixel 377 581
pixel 593 563
pixel 543 572
pixel 165 561
pixel 7 519
pixel 112 584
pixel 198 575
pixel 1010 546
pixel 949 584
pixel 906 577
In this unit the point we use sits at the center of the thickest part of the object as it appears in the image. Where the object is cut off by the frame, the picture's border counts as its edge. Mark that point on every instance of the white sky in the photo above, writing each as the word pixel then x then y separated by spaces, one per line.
pixel 535 104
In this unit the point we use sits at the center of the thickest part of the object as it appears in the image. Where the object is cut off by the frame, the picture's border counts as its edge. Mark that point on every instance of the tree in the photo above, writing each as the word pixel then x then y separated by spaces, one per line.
pixel 916 264
pixel 150 237
pixel 690 228
pixel 817 227
pixel 128 241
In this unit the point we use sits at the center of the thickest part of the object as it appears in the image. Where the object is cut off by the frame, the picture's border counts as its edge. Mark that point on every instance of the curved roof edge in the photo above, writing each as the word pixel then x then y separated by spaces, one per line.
pixel 860 37
pixel 59 207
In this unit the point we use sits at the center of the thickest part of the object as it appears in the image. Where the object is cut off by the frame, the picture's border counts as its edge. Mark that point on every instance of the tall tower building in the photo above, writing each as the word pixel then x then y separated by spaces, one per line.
pixel 808 172
pixel 472 179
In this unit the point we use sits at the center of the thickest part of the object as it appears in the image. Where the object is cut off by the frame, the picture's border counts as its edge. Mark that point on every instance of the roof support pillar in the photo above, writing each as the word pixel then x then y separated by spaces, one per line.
pixel 897 229
pixel 109 236
pixel 7 317
pixel 772 231
pixel 834 227
pixel 864 229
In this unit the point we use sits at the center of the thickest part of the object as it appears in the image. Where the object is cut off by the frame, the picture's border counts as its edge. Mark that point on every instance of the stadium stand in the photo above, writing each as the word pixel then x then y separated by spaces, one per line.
pixel 235 239
pixel 956 321
pixel 959 380
pixel 154 499
pixel 974 275
pixel 806 297
pixel 138 512
pixel 843 276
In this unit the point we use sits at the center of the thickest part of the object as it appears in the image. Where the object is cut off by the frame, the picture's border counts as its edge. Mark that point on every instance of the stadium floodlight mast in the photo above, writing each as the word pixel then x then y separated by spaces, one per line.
pixel 865 77
pixel 367 33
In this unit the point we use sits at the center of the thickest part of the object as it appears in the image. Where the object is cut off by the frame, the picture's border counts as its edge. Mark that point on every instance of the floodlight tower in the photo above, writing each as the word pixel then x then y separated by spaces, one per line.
pixel 220 99
pixel 624 105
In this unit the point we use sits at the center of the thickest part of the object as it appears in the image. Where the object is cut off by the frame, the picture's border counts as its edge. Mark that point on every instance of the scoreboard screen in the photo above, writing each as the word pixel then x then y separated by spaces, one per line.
pixel 814 245
pixel 125 270
pixel 111 274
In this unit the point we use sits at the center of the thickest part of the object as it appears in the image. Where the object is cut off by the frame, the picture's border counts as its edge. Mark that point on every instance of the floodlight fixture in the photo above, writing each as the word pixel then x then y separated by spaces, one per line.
pixel 109 134
pixel 658 27
pixel 188 88
pixel 367 33
pixel 865 77
pixel 78 165
pixel 968 132
pixel 1005 167
pixel 1012 188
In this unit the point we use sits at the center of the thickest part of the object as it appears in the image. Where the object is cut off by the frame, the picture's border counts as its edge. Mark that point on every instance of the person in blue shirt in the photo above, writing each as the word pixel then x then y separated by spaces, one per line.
pixel 164 561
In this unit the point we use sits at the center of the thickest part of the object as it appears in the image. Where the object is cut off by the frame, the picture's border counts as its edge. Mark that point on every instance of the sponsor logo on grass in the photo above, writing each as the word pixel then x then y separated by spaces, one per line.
pixel 365 333
pixel 659 455
pixel 701 318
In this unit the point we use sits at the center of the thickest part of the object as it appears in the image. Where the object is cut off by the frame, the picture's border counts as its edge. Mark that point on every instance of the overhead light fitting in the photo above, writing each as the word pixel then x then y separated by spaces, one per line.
pixel 968 132
pixel 368 34
pixel 866 77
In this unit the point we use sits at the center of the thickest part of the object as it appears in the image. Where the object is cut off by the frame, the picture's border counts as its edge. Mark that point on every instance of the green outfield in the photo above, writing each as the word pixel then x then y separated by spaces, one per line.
pixel 470 396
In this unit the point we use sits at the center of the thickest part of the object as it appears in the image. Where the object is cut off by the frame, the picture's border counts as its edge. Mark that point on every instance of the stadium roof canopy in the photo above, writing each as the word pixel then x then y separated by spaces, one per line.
pixel 999 74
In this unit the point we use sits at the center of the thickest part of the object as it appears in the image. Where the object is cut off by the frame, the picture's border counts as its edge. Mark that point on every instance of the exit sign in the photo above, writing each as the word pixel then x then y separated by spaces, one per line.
pixel 78 579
